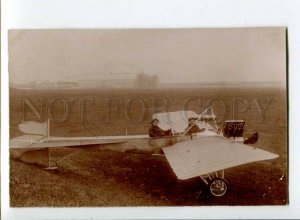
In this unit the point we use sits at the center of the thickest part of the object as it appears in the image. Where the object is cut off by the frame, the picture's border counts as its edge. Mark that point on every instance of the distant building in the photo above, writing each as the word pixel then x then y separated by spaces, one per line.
pixel 140 81
pixel 119 83
pixel 143 81
pixel 67 84
pixel 108 83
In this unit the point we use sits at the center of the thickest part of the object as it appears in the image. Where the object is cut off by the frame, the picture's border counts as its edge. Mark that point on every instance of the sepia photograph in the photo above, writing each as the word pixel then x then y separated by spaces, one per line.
pixel 148 117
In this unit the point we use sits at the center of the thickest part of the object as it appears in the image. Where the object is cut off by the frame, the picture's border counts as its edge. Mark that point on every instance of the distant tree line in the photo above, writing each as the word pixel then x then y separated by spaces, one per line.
pixel 143 80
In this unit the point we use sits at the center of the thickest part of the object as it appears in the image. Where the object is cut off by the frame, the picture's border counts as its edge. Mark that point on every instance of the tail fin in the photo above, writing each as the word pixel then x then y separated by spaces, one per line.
pixel 32 127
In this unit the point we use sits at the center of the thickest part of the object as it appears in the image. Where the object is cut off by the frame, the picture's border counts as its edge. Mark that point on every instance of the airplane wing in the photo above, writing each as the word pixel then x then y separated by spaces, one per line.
pixel 35 136
pixel 178 120
pixel 24 141
pixel 210 154
pixel 37 141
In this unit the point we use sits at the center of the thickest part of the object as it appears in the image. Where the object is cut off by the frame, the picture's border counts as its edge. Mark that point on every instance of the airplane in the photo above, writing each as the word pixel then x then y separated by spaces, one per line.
pixel 204 154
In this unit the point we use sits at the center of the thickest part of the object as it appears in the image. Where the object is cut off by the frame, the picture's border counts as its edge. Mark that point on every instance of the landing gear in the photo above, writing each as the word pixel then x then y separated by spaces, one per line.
pixel 216 184
pixel 218 187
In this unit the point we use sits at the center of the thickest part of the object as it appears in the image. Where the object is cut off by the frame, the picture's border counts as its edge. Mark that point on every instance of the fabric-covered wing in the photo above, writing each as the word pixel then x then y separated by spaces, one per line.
pixel 178 121
pixel 68 142
pixel 209 154
pixel 36 141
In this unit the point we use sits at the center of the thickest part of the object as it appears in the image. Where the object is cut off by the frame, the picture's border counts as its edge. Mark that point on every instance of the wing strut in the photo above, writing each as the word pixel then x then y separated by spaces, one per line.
pixel 200 116
pixel 48 128
pixel 55 166
pixel 50 167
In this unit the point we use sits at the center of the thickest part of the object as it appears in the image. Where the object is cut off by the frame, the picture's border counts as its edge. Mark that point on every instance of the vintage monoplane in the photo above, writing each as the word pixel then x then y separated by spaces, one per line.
pixel 205 154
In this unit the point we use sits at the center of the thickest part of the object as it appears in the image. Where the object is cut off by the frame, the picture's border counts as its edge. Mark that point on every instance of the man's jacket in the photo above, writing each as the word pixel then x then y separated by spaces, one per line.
pixel 156 131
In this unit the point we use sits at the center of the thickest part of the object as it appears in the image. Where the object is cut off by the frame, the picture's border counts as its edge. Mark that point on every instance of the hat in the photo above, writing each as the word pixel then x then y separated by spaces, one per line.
pixel 192 118
pixel 153 120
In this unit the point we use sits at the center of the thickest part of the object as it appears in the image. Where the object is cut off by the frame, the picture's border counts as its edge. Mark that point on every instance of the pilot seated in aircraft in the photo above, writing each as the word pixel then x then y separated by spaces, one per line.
pixel 156 131
pixel 193 127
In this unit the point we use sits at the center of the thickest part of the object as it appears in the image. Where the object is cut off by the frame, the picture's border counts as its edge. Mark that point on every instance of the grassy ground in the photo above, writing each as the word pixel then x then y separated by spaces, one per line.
pixel 102 178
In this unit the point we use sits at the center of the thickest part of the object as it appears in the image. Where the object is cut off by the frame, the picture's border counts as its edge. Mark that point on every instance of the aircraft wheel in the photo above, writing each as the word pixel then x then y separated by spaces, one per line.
pixel 218 187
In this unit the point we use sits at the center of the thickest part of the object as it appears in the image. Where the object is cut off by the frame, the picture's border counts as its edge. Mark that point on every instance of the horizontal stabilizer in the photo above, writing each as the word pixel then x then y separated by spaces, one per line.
pixel 24 141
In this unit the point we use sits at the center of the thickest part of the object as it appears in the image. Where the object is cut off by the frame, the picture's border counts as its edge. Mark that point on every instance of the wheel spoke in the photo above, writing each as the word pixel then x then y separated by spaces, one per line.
pixel 218 187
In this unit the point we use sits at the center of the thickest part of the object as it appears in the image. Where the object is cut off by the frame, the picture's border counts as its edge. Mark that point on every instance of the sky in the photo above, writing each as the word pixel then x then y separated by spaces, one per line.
pixel 175 55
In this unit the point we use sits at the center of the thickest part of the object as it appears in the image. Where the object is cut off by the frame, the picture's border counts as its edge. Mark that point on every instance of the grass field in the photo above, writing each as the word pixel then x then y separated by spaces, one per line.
pixel 102 178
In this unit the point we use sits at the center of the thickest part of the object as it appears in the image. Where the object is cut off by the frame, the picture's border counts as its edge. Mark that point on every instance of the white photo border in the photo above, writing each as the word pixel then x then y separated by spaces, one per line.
pixel 54 14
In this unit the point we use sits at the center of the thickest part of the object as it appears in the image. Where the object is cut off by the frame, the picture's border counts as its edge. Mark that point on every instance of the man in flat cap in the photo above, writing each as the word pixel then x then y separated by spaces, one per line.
pixel 193 127
pixel 156 131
